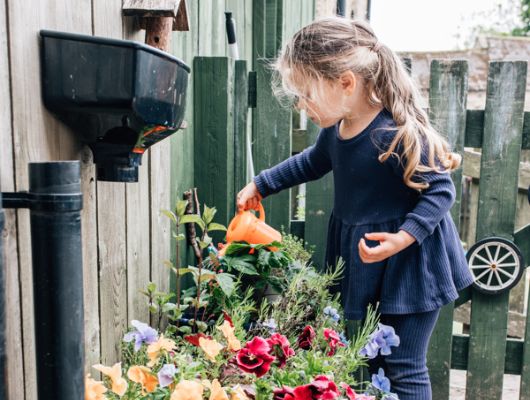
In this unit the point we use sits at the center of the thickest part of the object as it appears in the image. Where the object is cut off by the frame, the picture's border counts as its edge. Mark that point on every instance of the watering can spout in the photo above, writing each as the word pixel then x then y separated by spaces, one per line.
pixel 245 226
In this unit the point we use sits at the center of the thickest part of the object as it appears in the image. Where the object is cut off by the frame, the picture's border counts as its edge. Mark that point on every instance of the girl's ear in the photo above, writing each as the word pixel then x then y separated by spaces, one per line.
pixel 348 82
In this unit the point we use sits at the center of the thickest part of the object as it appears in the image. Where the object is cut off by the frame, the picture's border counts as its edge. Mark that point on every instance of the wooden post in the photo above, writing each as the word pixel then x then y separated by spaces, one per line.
pixel 503 125
pixel 214 136
pixel 447 105
pixel 272 143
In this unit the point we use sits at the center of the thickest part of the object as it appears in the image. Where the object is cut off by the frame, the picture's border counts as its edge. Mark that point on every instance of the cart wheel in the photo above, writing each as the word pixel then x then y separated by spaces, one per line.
pixel 496 264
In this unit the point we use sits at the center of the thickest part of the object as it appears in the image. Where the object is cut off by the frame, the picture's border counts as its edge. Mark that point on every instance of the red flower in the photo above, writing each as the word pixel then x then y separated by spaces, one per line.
pixel 350 393
pixel 322 388
pixel 254 357
pixel 227 318
pixel 280 347
pixel 194 339
pixel 306 338
pixel 333 340
pixel 285 393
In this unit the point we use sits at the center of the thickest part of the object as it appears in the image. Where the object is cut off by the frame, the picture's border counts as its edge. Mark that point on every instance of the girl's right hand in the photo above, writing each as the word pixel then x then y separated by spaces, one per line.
pixel 249 197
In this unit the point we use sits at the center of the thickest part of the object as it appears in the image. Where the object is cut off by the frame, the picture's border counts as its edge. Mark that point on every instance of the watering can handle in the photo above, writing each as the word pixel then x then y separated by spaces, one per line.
pixel 261 212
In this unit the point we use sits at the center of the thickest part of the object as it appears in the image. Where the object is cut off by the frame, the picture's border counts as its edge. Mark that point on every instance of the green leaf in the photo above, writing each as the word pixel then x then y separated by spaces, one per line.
pixel 185 329
pixel 170 215
pixel 169 307
pixel 151 287
pixel 214 226
pixel 180 236
pixel 226 283
pixel 201 326
pixel 180 207
pixel 189 218
pixel 208 214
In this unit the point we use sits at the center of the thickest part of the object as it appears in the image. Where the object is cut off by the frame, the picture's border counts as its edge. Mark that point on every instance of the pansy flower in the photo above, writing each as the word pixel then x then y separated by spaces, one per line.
pixel 94 390
pixel 187 390
pixel 143 334
pixel 333 340
pixel 144 376
pixel 380 381
pixel 166 375
pixel 281 348
pixel 154 350
pixel 119 384
pixel 255 357
pixel 306 338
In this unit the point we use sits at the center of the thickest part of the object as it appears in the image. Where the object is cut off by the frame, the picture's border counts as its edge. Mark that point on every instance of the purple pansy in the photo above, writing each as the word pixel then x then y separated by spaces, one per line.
pixel 380 381
pixel 380 339
pixel 143 334
pixel 166 375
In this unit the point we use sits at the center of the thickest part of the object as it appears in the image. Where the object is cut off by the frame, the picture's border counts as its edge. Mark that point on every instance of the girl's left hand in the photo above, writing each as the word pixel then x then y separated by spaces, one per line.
pixel 389 244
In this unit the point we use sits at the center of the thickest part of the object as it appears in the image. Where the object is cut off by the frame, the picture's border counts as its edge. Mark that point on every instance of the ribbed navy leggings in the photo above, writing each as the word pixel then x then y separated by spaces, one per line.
pixel 406 367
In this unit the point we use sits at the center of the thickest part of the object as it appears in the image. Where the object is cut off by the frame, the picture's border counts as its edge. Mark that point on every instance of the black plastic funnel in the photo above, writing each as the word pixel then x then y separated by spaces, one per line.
pixel 120 97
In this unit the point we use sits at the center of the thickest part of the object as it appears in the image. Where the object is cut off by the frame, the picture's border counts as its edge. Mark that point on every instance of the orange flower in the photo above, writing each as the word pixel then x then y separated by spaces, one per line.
pixel 228 331
pixel 143 376
pixel 94 390
pixel 210 347
pixel 154 350
pixel 238 393
pixel 119 384
pixel 187 390
pixel 217 392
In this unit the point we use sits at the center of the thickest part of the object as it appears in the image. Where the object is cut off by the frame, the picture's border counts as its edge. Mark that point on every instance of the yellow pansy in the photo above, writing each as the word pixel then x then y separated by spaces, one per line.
pixel 210 347
pixel 94 390
pixel 187 390
pixel 119 384
pixel 143 376
pixel 228 331
pixel 238 393
pixel 154 350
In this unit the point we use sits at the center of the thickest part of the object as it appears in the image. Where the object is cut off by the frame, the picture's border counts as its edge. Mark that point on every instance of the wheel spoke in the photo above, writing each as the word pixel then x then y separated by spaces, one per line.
pixel 489 278
pixel 482 274
pixel 480 266
pixel 501 284
pixel 489 254
pixel 504 257
pixel 507 265
pixel 497 251
pixel 505 273
pixel 482 259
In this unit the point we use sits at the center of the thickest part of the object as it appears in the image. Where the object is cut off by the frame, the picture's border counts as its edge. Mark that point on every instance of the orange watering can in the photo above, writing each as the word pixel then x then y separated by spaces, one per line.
pixel 246 227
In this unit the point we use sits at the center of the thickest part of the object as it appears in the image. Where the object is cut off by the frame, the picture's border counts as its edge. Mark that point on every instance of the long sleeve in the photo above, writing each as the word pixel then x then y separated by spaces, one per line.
pixel 310 164
pixel 433 202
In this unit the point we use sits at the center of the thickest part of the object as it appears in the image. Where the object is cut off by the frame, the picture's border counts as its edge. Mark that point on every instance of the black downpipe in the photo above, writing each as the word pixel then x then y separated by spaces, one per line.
pixel 3 321
pixel 55 203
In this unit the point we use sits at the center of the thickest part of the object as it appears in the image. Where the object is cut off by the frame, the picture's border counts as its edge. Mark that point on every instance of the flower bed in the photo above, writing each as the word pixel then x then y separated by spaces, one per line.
pixel 291 349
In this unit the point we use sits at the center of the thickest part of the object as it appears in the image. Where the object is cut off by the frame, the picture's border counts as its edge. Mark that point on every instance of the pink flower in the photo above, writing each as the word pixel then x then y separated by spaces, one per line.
pixel 280 347
pixel 333 340
pixel 285 393
pixel 306 338
pixel 322 388
pixel 350 393
pixel 255 357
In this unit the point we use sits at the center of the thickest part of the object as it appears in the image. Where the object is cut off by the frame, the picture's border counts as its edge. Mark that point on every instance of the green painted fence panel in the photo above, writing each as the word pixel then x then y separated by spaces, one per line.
pixel 271 142
pixel 447 108
pixel 240 124
pixel 319 204
pixel 501 148
pixel 214 136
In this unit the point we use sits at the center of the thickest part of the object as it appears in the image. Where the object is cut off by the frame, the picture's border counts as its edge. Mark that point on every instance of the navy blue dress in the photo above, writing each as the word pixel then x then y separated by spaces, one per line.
pixel 371 196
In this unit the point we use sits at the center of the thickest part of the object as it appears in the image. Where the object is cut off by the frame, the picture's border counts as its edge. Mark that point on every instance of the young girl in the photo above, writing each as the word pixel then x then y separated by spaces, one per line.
pixel 393 190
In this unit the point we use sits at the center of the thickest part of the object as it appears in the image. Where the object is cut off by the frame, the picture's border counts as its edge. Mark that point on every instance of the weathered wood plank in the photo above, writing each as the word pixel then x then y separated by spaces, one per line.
pixel 513 360
pixel 213 84
pixel 158 8
pixel 212 36
pixel 182 142
pixel 37 134
pixel 319 205
pixel 475 128
pixel 503 122
pixel 240 124
pixel 271 143
pixel 258 31
pixel 111 218
pixel 447 105
pixel 15 362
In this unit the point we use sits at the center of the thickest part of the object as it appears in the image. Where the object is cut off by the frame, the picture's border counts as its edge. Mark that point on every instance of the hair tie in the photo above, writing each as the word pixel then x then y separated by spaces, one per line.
pixel 376 46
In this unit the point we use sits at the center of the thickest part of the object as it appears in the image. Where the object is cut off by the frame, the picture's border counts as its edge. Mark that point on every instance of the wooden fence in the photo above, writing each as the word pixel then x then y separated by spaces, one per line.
pixel 500 131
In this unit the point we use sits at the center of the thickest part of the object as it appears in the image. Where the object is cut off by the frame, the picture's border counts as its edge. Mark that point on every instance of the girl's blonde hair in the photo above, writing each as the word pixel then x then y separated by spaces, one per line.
pixel 326 48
